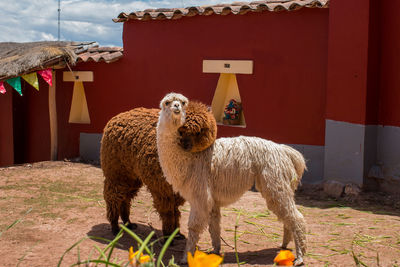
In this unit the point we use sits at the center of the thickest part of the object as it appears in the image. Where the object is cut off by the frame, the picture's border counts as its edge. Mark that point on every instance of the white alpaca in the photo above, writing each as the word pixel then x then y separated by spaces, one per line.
pixel 221 174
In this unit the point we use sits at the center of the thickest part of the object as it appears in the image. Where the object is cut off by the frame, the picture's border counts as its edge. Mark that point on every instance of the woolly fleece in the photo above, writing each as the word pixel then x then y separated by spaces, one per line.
pixel 221 174
pixel 129 159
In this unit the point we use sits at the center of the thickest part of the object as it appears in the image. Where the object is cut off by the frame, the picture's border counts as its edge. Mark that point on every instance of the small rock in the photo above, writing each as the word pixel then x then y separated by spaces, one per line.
pixel 334 189
pixel 352 190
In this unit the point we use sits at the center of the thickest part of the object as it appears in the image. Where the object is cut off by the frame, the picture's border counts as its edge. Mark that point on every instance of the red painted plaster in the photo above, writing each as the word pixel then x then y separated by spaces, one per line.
pixel 374 54
pixel 389 110
pixel 283 100
pixel 6 128
pixel 346 90
pixel 31 124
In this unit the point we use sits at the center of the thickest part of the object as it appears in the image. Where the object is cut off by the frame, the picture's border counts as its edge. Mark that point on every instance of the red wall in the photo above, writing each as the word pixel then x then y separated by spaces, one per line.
pixel 309 65
pixel 6 128
pixel 109 94
pixel 347 61
pixel 24 124
pixel 284 100
pixel 301 76
pixel 389 108
pixel 31 123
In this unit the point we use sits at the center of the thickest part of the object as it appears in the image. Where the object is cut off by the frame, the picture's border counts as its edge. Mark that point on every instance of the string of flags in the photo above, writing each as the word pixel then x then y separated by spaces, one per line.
pixel 30 78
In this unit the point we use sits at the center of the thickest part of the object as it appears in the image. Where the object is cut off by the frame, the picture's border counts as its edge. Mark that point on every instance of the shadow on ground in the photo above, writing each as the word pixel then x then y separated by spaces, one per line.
pixel 374 202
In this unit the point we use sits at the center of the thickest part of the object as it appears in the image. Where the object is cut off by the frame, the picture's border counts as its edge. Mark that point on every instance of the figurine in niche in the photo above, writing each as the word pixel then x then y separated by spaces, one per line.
pixel 232 113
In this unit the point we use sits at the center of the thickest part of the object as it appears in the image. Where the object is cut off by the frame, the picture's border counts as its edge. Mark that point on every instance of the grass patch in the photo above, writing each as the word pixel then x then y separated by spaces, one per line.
pixel 344 224
pixel 42 200
pixel 62 187
pixel 343 216
pixel 50 215
pixel 73 220
pixel 10 187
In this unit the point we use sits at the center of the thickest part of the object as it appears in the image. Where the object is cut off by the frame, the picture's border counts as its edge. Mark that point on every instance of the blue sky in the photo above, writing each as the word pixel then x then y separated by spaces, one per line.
pixel 81 20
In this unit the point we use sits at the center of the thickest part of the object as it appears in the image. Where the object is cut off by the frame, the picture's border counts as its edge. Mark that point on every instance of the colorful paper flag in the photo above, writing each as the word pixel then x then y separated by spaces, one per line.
pixel 2 88
pixel 16 84
pixel 32 79
pixel 47 76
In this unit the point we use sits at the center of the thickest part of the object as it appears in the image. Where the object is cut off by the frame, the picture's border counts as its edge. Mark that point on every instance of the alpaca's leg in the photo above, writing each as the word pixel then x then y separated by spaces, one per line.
pixel 285 209
pixel 112 215
pixel 118 198
pixel 165 206
pixel 198 219
pixel 113 202
pixel 287 236
pixel 131 190
pixel 298 226
pixel 295 223
pixel 125 212
pixel 215 229
pixel 179 201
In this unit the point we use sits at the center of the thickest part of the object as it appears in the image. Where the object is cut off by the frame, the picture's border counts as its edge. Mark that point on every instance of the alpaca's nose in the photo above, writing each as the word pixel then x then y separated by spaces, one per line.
pixel 176 107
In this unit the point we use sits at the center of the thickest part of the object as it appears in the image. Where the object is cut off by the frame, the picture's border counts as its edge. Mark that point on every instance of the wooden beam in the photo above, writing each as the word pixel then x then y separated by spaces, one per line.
pixel 78 76
pixel 228 66
pixel 53 119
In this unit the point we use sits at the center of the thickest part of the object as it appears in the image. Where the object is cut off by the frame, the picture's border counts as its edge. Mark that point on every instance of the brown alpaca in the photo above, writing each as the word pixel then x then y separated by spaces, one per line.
pixel 129 159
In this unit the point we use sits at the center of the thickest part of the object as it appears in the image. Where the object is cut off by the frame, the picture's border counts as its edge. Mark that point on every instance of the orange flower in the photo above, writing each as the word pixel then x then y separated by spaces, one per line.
pixel 201 259
pixel 132 257
pixel 284 258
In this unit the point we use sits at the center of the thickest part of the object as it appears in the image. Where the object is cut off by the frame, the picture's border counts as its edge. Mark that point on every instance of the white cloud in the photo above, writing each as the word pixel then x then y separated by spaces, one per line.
pixel 81 20
pixel 48 37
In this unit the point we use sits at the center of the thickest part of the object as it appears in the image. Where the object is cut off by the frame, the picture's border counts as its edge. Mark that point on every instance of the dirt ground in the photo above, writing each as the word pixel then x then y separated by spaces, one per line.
pixel 59 203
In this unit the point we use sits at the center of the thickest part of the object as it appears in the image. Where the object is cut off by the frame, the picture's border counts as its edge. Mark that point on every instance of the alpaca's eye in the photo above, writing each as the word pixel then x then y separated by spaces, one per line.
pixel 167 103
pixel 183 103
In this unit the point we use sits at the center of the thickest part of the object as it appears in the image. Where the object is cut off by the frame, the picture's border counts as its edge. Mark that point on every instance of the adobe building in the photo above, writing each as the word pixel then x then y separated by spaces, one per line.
pixel 319 75
pixel 43 121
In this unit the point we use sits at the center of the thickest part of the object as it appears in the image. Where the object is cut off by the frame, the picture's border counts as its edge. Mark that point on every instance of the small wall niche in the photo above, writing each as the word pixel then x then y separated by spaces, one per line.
pixel 228 89
pixel 79 112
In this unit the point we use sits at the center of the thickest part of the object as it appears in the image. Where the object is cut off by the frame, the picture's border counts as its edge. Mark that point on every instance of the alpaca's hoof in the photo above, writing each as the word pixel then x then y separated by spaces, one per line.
pixel 179 236
pixel 132 226
pixel 216 252
pixel 298 262
pixel 183 261
pixel 164 240
pixel 115 230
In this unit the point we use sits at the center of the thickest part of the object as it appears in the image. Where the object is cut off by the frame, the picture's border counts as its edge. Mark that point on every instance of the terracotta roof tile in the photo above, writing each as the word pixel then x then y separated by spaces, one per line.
pixel 240 8
pixel 93 52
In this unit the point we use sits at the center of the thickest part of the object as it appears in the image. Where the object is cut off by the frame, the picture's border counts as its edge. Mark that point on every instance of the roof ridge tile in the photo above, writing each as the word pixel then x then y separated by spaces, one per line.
pixel 240 8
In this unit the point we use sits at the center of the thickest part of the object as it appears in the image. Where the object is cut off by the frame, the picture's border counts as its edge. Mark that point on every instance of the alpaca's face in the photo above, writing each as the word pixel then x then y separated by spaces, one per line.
pixel 174 106
pixel 199 130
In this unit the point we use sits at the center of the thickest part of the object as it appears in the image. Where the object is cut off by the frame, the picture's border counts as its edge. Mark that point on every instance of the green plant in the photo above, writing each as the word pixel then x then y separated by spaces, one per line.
pixel 135 258
pixel 16 222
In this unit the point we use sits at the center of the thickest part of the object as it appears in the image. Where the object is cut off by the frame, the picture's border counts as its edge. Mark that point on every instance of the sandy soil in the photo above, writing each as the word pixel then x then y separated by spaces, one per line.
pixel 59 203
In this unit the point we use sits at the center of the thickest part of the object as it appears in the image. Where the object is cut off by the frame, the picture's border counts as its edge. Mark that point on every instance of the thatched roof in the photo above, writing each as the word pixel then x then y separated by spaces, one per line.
pixel 17 59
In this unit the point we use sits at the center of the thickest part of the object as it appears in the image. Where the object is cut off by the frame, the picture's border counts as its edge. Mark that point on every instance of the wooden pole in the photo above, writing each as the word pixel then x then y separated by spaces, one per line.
pixel 53 119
